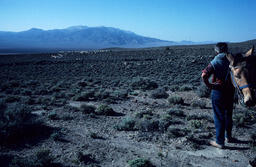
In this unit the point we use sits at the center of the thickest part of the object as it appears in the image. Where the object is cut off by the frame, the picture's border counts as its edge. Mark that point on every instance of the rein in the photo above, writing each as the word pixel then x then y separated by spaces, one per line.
pixel 237 87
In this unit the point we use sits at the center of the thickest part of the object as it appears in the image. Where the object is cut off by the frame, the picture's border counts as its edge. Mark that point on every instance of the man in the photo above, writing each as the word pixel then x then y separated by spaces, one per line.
pixel 222 94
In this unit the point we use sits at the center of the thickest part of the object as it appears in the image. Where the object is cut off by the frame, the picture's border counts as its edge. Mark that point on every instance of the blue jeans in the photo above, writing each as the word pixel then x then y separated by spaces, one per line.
pixel 222 104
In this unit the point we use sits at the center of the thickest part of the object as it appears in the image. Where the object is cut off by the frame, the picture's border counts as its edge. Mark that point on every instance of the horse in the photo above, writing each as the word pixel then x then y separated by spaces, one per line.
pixel 243 76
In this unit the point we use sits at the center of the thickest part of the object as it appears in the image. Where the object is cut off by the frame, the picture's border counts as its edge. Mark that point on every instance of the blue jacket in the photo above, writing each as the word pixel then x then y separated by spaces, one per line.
pixel 221 66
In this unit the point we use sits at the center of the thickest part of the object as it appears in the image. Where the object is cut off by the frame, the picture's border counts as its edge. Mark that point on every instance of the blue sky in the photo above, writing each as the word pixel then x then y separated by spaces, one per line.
pixel 175 20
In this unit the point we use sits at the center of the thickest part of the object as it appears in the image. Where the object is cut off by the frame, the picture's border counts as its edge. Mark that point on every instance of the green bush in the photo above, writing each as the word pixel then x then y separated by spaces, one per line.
pixel 120 94
pixel 199 117
pixel 105 110
pixel 141 114
pixel 53 116
pixel 199 103
pixel 11 99
pixel 203 91
pixel 143 84
pixel 196 124
pixel 2 105
pixel 85 96
pixel 69 108
pixel 85 158
pixel 176 112
pixel 82 84
pixel 126 124
pixel 87 109
pixel 14 84
pixel 140 162
pixel 17 122
pixel 186 88
pixel 244 117
pixel 175 100
pixel 159 94
pixel 176 132
pixel 42 158
pixel 147 125
pixel 174 88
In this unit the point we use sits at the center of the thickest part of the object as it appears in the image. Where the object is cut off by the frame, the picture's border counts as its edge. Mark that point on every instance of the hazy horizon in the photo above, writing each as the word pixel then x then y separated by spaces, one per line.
pixel 175 20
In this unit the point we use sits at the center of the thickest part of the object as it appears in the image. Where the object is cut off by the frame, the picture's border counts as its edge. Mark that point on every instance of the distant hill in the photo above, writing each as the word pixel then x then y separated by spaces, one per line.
pixel 77 37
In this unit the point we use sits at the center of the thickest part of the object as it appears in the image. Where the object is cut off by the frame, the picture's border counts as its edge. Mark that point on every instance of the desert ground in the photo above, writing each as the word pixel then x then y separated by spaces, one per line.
pixel 116 107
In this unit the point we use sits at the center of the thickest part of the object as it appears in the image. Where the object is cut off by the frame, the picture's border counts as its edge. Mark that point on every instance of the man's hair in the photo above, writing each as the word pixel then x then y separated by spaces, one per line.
pixel 221 47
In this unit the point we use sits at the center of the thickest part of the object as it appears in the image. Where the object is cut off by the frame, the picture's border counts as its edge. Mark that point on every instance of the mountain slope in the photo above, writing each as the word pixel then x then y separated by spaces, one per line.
pixel 77 37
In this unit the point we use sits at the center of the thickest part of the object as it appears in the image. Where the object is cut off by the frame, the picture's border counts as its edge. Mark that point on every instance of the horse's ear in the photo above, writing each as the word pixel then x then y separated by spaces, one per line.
pixel 249 52
pixel 230 58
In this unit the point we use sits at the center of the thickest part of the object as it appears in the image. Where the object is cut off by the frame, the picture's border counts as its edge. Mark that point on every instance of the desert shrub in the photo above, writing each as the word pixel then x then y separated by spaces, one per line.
pixel 33 83
pixel 29 101
pixel 244 117
pixel 253 142
pixel 112 96
pixel 53 116
pixel 140 162
pixel 196 124
pixel 176 132
pixel 4 86
pixel 143 84
pixel 165 122
pixel 85 96
pixel 26 92
pixel 199 117
pixel 159 94
pixel 2 105
pixel 195 142
pixel 11 99
pixel 174 88
pixel 175 100
pixel 105 110
pixel 95 135
pixel 85 158
pixel 253 162
pixel 120 94
pixel 87 109
pixel 59 95
pixel 186 88
pixel 57 136
pixel 134 93
pixel 176 112
pixel 148 125
pixel 66 117
pixel 198 103
pixel 102 94
pixel 141 114
pixel 82 84
pixel 17 122
pixel 69 108
pixel 126 124
pixel 203 91
pixel 42 158
pixel 5 159
pixel 14 84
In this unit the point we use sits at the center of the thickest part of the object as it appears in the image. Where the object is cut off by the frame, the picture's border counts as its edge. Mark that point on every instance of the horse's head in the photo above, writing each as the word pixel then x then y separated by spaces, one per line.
pixel 243 75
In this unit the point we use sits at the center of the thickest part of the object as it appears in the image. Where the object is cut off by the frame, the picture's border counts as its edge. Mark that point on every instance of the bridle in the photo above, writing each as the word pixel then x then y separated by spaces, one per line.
pixel 238 87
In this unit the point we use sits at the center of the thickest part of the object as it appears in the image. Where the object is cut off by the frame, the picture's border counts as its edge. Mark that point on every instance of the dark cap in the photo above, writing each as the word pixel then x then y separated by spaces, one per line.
pixel 221 47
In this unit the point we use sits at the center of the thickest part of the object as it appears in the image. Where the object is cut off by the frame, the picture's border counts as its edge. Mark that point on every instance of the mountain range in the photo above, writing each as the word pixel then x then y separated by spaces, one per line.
pixel 79 38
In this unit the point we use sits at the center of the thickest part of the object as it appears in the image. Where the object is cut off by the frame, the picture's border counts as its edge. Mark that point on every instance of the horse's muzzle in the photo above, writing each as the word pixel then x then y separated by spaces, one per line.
pixel 250 101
